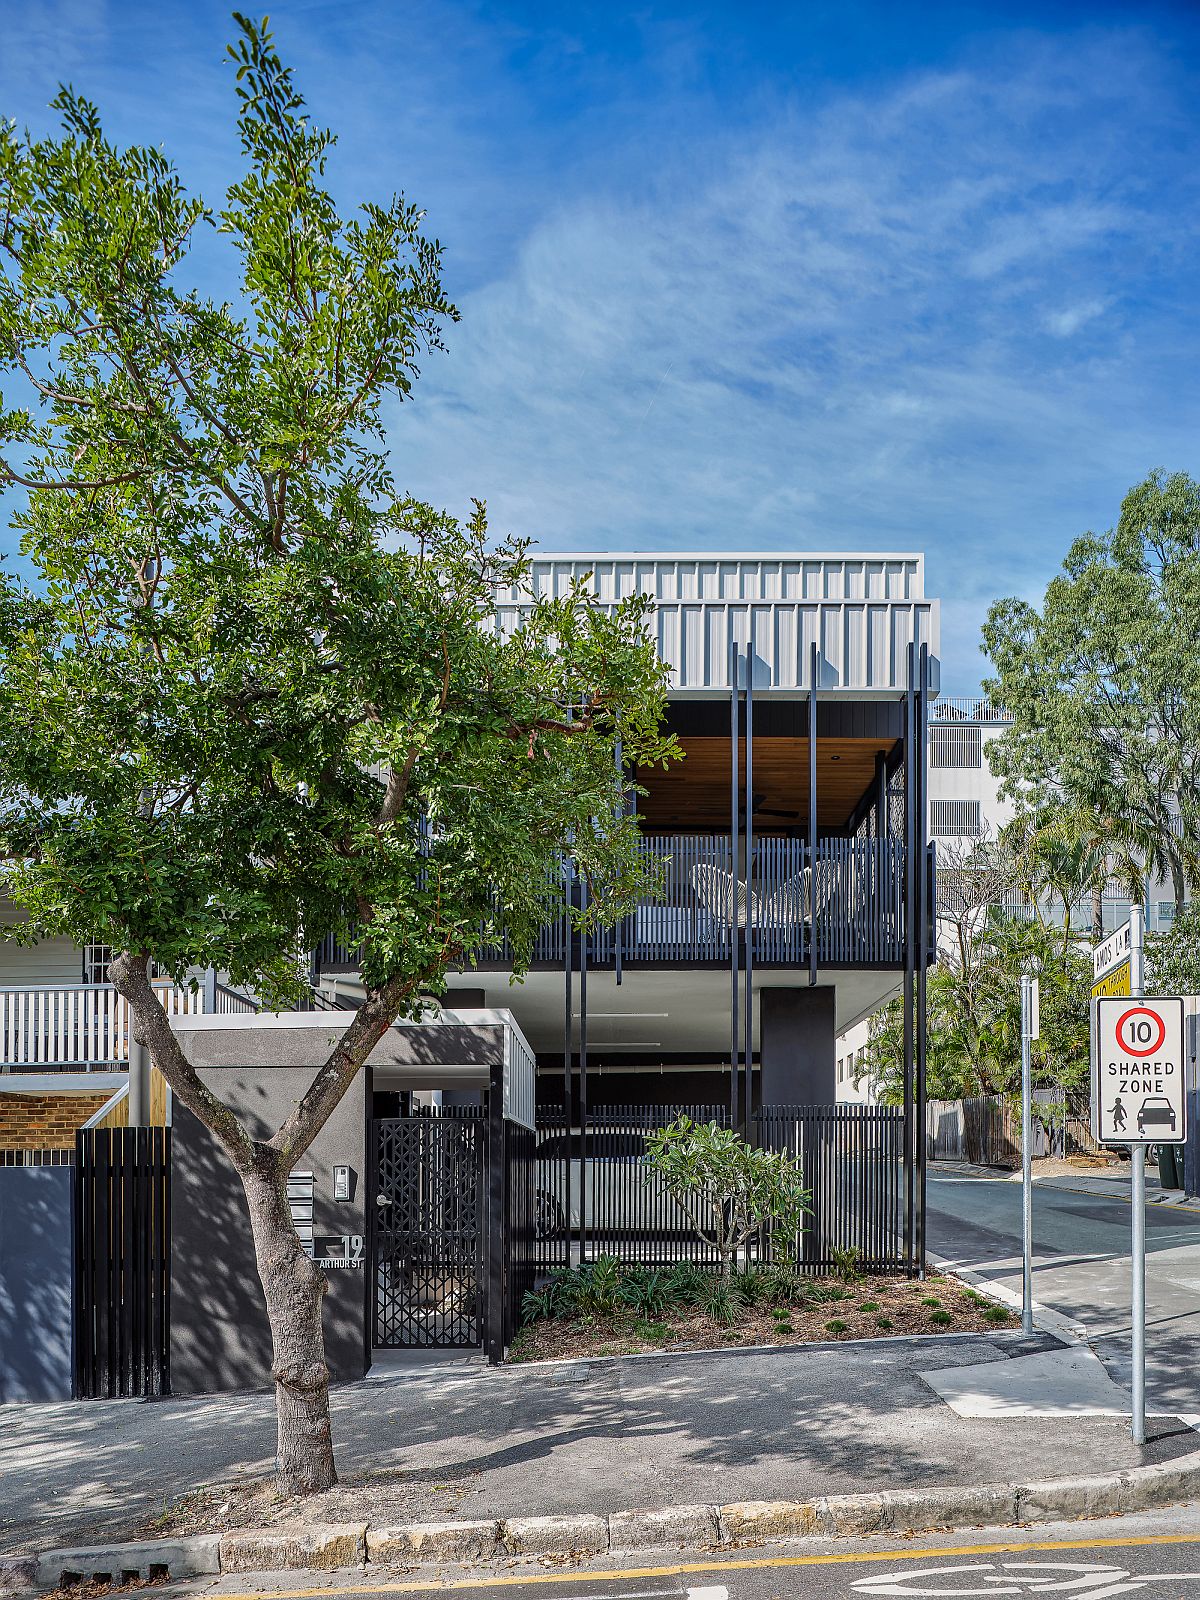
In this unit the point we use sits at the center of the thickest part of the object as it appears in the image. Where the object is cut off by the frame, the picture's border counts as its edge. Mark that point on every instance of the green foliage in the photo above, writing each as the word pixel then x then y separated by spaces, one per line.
pixel 868 1305
pixel 930 1300
pixel 884 1322
pixel 846 1263
pixel 1103 683
pixel 1173 956
pixel 720 1304
pixel 728 1188
pixel 784 1326
pixel 996 1314
pixel 942 1319
pixel 648 1293
pixel 836 1326
pixel 783 1284
pixel 974 1016
pixel 688 1283
pixel 257 694
pixel 754 1286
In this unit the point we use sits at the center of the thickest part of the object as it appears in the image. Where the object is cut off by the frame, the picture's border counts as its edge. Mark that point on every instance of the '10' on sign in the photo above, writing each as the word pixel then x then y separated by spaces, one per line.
pixel 1138 1090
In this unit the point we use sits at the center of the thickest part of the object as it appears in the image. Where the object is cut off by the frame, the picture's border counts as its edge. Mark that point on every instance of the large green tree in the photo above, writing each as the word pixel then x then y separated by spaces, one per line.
pixel 253 695
pixel 1103 685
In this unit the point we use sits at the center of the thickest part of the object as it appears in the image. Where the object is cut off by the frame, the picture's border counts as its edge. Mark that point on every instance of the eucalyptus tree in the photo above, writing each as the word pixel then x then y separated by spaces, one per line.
pixel 1103 684
pixel 253 695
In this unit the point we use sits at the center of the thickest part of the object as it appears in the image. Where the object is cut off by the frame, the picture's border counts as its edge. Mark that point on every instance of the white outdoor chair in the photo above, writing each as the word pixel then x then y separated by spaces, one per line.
pixel 789 903
pixel 713 887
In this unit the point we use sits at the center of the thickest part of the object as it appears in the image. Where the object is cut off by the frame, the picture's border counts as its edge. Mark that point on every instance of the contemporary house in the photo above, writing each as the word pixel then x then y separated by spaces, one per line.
pixel 792 836
pixel 798 894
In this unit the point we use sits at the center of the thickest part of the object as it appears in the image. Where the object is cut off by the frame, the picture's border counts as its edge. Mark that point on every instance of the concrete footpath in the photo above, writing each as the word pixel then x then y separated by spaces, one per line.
pixel 444 1439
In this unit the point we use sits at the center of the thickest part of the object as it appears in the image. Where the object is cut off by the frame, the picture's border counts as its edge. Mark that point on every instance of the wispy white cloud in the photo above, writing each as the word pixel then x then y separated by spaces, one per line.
pixel 845 326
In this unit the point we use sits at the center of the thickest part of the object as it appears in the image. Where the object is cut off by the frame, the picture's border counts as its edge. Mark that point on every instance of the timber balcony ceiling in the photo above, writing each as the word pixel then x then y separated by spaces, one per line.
pixel 694 794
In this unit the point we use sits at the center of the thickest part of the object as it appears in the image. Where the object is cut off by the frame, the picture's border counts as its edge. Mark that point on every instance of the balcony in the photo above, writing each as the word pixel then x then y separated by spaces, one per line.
pixel 84 1027
pixel 846 909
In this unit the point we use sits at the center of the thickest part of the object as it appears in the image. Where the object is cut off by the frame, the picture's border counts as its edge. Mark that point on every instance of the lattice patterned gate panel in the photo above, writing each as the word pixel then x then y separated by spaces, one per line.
pixel 429 1231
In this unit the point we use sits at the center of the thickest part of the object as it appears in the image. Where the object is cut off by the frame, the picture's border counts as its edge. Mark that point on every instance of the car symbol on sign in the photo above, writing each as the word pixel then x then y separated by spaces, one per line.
pixel 1156 1111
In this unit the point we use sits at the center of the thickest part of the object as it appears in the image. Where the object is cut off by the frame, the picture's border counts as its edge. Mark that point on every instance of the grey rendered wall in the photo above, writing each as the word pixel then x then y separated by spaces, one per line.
pixel 36 1324
pixel 220 1339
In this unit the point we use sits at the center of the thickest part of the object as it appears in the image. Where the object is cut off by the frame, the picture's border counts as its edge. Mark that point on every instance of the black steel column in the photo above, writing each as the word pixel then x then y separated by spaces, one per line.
pixel 920 1120
pixel 583 1152
pixel 910 718
pixel 734 801
pixel 568 1020
pixel 495 1171
pixel 748 1099
pixel 620 755
pixel 813 667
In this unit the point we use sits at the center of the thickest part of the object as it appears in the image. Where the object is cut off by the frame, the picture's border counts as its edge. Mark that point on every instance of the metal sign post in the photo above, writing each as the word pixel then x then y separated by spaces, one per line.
pixel 1137 1184
pixel 1029 1032
pixel 1138 1097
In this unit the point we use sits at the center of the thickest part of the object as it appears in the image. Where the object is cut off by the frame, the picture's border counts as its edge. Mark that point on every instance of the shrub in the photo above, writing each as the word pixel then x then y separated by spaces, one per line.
pixel 832 1292
pixel 599 1287
pixel 943 1319
pixel 647 1294
pixel 687 1285
pixel 884 1322
pixel 784 1327
pixel 729 1188
pixel 868 1305
pixel 719 1304
pixel 754 1285
pixel 930 1300
pixel 783 1284
pixel 846 1263
pixel 835 1326
pixel 995 1314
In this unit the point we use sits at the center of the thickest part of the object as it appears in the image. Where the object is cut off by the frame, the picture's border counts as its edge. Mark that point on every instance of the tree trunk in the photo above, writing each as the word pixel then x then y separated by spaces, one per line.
pixel 1098 911
pixel 293 1288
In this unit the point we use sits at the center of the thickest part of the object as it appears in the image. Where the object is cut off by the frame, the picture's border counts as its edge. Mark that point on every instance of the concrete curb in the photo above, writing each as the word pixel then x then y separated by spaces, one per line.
pixel 743 1522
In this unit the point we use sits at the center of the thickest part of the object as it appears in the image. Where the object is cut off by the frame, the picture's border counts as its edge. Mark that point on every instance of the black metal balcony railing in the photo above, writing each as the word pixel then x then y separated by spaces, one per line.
pixel 850 901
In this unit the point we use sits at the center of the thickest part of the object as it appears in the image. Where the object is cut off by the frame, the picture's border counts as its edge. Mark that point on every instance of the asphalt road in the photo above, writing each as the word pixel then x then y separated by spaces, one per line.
pixel 1155 1555
pixel 1082 1269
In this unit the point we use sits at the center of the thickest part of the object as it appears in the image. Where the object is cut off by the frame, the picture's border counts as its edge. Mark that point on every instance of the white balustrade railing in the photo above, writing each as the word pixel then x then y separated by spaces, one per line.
pixel 74 1027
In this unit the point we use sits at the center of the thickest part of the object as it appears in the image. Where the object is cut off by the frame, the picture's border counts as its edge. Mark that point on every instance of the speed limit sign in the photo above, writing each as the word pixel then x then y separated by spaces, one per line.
pixel 1137 1071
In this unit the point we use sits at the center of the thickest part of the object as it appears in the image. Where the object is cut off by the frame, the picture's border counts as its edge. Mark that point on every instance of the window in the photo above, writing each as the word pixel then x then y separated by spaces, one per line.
pixel 955 819
pixel 95 963
pixel 955 746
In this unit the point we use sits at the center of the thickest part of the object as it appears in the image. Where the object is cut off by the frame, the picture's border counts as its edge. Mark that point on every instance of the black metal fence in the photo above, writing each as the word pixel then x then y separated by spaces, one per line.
pixel 122 1262
pixel 852 1158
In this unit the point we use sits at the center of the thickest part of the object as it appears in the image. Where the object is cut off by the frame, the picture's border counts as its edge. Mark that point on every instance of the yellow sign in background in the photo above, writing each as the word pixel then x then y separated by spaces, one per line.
pixel 1112 984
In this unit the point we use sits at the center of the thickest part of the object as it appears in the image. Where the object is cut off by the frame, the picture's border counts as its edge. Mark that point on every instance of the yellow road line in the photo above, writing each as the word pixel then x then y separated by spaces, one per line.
pixel 716 1564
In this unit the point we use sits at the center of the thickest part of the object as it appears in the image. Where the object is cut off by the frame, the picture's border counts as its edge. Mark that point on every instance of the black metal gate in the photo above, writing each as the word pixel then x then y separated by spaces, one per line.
pixel 429 1231
pixel 122 1262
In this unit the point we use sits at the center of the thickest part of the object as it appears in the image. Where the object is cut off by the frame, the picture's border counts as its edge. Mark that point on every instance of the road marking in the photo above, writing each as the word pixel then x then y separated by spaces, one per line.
pixel 717 1564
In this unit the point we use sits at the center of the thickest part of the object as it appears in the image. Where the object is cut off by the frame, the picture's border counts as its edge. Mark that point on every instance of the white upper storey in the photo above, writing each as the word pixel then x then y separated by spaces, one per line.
pixel 862 612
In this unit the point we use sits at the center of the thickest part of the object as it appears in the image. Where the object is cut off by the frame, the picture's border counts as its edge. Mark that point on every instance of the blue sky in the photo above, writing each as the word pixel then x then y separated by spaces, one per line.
pixel 754 276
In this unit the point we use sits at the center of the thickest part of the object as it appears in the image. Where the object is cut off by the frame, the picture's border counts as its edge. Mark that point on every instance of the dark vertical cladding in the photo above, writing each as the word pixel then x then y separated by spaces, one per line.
pixel 123 1237
pixel 748 1088
pixel 814 892
pixel 922 931
pixel 734 802
pixel 910 836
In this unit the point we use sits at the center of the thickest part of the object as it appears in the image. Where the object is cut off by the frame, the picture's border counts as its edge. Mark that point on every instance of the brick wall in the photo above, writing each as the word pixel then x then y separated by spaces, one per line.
pixel 45 1121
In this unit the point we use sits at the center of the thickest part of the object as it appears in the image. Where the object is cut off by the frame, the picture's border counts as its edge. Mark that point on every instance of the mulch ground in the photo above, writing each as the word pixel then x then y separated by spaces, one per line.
pixel 872 1308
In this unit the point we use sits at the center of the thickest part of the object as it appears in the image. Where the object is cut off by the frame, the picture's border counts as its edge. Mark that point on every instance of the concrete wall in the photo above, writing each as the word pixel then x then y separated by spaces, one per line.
pixel 220 1338
pixel 796 1046
pixel 36 1323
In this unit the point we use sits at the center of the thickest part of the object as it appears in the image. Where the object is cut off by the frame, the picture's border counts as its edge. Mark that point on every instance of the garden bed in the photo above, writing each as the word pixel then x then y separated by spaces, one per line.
pixel 634 1311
